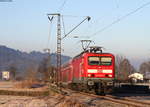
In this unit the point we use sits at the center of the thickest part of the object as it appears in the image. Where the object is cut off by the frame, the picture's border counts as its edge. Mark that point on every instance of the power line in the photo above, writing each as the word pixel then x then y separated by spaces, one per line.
pixel 74 16
pixel 50 31
pixel 63 23
pixel 120 19
pixel 117 4
pixel 62 6
pixel 103 17
pixel 87 18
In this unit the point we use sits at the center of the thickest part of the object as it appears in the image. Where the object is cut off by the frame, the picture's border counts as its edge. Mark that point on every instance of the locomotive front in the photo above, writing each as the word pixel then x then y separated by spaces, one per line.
pixel 99 70
pixel 92 70
pixel 100 66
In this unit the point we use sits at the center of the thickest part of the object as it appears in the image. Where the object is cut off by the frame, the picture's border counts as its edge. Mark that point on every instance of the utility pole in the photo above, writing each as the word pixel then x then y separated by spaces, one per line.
pixel 58 43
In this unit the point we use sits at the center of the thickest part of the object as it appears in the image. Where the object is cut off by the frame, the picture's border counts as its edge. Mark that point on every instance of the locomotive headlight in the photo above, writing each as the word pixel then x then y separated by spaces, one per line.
pixel 107 71
pixel 110 75
pixel 92 71
pixel 89 75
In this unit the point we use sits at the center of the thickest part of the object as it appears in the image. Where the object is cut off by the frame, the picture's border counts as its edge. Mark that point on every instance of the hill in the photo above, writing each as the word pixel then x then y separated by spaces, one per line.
pixel 23 60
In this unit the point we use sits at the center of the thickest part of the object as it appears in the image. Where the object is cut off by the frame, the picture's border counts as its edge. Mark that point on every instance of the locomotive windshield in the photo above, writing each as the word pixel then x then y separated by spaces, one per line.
pixel 94 60
pixel 106 60
pixel 100 60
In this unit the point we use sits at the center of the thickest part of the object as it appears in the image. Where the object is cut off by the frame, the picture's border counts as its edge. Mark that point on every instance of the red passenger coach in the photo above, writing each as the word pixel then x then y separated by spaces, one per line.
pixel 91 70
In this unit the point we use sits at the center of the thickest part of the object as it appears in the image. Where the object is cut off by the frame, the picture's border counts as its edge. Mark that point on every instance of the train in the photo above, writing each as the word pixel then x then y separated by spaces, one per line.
pixel 92 70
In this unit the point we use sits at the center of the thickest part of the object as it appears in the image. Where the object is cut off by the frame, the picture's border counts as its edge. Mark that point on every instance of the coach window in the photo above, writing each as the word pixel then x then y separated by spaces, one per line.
pixel 94 60
pixel 106 61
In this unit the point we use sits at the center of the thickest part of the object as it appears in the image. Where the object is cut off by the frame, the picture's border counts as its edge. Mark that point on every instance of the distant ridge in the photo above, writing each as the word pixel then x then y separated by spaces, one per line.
pixel 23 60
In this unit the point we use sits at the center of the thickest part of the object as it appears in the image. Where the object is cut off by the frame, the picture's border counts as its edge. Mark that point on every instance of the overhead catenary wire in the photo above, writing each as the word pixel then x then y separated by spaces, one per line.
pixel 117 5
pixel 63 24
pixel 120 19
pixel 50 31
pixel 75 16
pixel 87 18
pixel 102 18
pixel 75 48
pixel 117 8
pixel 62 6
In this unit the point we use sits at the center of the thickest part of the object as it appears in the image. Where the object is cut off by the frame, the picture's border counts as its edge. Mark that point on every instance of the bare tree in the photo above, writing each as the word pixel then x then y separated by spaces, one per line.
pixel 123 68
pixel 31 74
pixel 13 71
pixel 145 68
pixel 46 70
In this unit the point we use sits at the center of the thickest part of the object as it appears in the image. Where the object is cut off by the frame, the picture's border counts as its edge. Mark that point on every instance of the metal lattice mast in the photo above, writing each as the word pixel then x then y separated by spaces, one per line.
pixel 58 74
pixel 58 47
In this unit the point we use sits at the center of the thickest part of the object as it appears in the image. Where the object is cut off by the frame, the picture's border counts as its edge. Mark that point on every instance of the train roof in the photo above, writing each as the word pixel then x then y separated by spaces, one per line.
pixel 92 50
pixel 67 63
pixel 82 53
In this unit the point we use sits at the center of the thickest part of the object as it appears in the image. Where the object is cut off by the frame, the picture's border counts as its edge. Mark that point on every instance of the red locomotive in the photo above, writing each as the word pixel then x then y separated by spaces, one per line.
pixel 90 70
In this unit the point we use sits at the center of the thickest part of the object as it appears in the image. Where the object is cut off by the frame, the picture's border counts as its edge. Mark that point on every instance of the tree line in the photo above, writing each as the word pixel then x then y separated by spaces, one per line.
pixel 45 71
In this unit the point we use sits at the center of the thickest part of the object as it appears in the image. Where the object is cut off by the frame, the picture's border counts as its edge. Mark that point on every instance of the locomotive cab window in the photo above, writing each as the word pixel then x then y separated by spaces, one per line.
pixel 106 60
pixel 94 60
pixel 98 60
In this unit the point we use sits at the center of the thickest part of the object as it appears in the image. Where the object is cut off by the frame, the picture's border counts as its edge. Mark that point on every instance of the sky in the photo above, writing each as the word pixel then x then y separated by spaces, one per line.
pixel 24 25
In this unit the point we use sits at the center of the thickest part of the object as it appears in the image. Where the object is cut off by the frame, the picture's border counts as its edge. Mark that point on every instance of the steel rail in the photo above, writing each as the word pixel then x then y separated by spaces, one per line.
pixel 115 99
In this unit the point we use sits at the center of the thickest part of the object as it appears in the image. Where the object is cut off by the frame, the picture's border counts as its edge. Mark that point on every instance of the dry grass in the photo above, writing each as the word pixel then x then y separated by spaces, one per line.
pixel 24 93
pixel 24 88
pixel 71 103
pixel 25 84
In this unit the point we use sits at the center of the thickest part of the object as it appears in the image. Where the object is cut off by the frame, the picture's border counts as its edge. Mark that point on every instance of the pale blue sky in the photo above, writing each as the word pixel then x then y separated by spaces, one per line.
pixel 24 25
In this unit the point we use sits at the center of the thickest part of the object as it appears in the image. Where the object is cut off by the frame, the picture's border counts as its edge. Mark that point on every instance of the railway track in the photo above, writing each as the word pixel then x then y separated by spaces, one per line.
pixel 127 101
pixel 115 99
